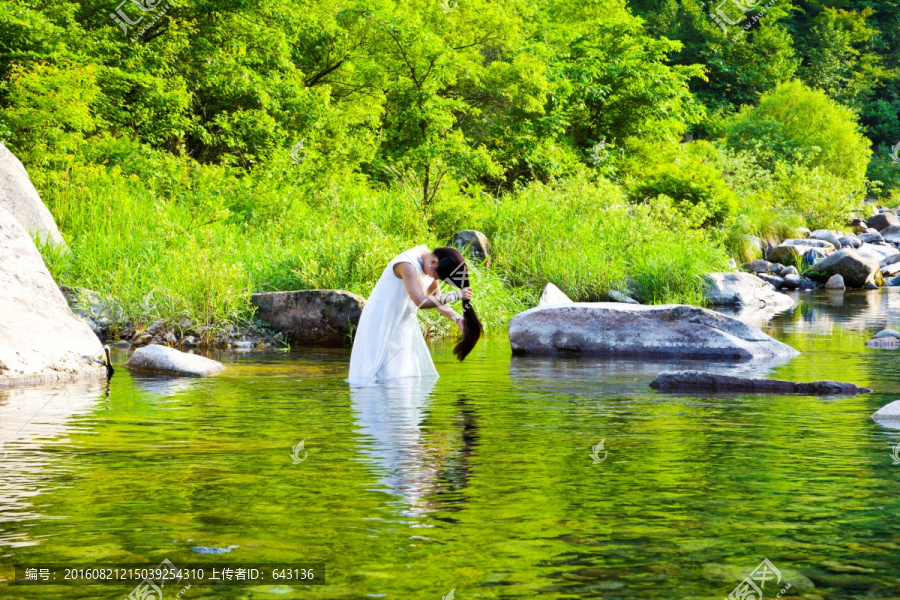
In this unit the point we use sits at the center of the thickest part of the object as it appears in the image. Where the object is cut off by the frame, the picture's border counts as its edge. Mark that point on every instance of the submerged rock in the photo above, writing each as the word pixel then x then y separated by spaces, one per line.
pixel 743 289
pixel 40 338
pixel 606 328
pixel 553 295
pixel 314 317
pixel 704 381
pixel 854 267
pixel 162 359
pixel 21 200
pixel 835 282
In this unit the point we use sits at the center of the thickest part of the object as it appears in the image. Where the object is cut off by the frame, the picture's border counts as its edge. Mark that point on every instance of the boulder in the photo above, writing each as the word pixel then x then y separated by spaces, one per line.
pixel 889 260
pixel 826 236
pixel 40 338
pixel 777 269
pixel 870 238
pixel 21 200
pixel 889 412
pixel 553 295
pixel 790 251
pixel 742 289
pixel 314 317
pixel 849 241
pixel 792 281
pixel 474 244
pixel 611 329
pixel 758 266
pixel 162 359
pixel 807 284
pixel 890 270
pixel 858 225
pixel 789 271
pixel 835 282
pixel 854 267
pixel 774 280
pixel 878 252
pixel 891 234
pixel 617 296
pixel 882 221
pixel 704 381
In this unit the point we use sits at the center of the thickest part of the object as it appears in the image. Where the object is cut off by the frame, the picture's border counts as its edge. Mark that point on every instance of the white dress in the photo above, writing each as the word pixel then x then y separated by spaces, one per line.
pixel 389 343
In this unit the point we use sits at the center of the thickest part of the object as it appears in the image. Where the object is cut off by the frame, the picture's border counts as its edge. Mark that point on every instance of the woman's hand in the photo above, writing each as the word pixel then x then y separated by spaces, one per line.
pixel 466 293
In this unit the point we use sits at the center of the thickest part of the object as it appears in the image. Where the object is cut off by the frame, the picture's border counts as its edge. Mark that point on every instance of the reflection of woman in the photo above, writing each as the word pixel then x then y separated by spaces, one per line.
pixel 388 343
pixel 391 414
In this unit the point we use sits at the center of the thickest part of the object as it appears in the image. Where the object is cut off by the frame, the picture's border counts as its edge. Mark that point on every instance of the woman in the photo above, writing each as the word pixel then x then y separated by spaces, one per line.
pixel 388 343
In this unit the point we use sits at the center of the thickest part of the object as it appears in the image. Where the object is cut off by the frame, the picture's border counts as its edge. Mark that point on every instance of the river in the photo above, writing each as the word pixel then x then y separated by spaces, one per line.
pixel 489 483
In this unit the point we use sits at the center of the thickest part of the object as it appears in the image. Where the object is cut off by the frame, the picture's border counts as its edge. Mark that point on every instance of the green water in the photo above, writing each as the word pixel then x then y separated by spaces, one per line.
pixel 482 483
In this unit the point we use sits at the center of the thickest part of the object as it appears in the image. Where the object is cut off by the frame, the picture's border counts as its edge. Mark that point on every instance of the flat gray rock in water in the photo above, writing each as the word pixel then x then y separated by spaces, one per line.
pixel 553 295
pixel 18 196
pixel 743 289
pixel 704 381
pixel 40 338
pixel 162 359
pixel 612 329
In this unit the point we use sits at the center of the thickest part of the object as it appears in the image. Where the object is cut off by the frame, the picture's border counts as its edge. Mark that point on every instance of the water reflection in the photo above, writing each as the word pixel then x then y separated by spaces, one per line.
pixel 392 414
pixel 32 420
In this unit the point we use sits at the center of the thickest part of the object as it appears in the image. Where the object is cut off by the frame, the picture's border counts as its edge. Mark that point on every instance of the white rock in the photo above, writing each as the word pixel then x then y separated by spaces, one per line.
pixel 553 295
pixel 18 196
pixel 40 338
pixel 162 359
pixel 889 412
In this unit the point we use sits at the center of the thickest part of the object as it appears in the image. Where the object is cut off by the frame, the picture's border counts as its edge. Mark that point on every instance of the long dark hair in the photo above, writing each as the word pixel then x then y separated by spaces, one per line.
pixel 452 268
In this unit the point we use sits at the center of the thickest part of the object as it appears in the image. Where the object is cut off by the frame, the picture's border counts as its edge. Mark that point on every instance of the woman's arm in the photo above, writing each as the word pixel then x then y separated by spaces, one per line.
pixel 444 309
pixel 407 273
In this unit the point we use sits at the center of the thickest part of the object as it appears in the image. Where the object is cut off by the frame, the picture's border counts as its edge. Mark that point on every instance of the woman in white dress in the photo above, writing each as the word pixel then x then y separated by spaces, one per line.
pixel 389 343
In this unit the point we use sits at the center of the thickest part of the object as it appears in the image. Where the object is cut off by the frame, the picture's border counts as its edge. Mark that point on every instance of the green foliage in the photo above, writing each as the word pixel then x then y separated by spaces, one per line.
pixel 803 127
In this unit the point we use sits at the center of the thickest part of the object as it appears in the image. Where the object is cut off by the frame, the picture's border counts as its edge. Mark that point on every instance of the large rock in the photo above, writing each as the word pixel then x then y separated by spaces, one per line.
pixel 312 317
pixel 850 264
pixel 18 196
pixel 891 234
pixel 474 243
pixel 849 240
pixel 40 338
pixel 607 328
pixel 790 251
pixel 879 252
pixel 826 236
pixel 553 295
pixel 162 359
pixel 704 381
pixel 888 412
pixel 743 289
pixel 882 221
